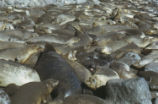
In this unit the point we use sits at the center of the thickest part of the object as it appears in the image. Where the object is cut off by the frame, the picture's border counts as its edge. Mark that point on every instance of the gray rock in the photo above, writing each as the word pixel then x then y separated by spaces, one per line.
pixel 35 3
pixel 152 67
pixel 154 94
pixel 155 101
pixel 4 98
pixel 131 91
pixel 151 77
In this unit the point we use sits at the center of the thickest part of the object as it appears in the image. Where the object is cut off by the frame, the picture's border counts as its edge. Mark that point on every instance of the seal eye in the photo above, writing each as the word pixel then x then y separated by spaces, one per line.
pixel 133 56
pixel 16 60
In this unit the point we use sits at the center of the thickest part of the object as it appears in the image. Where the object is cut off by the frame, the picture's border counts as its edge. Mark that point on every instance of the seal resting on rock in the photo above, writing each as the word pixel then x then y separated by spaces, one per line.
pixel 52 65
pixel 31 93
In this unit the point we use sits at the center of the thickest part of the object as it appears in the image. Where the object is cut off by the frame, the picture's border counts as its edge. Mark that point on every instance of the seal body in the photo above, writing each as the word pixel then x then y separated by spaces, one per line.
pixel 15 73
pixel 85 99
pixel 33 92
pixel 52 65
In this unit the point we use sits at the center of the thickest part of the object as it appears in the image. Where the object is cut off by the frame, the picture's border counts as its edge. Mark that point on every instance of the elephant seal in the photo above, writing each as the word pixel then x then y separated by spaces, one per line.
pixel 31 93
pixel 52 65
pixel 84 99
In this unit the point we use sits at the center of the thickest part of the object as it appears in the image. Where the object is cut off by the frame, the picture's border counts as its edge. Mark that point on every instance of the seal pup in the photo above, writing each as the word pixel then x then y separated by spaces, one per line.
pixel 32 93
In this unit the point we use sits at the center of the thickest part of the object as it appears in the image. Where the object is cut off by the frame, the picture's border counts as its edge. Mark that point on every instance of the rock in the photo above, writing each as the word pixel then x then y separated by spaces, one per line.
pixel 155 101
pixel 152 67
pixel 4 98
pixel 38 3
pixel 130 91
pixel 154 94
pixel 151 77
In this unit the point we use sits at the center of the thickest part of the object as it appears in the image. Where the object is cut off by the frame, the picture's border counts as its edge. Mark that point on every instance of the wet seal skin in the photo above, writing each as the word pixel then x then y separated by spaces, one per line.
pixel 84 99
pixel 52 65
pixel 31 93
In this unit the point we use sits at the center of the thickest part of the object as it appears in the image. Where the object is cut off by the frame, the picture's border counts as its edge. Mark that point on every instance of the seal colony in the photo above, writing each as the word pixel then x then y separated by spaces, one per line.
pixel 96 52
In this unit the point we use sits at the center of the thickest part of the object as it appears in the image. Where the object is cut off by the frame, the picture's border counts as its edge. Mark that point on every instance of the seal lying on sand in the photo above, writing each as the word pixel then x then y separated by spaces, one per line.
pixel 52 65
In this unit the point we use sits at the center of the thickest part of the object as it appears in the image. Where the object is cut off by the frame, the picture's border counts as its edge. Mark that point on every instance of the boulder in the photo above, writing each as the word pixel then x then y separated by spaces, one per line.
pixel 4 98
pixel 130 91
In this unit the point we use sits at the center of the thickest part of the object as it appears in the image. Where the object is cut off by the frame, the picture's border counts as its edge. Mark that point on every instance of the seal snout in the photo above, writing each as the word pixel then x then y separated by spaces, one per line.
pixel 51 83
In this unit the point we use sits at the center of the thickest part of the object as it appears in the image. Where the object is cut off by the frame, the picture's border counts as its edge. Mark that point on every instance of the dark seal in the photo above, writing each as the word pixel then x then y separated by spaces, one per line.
pixel 52 65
